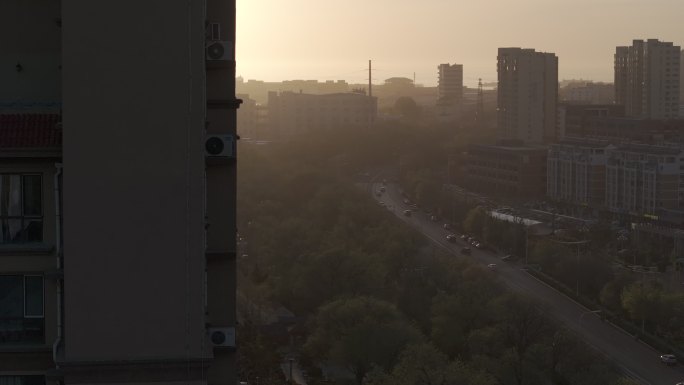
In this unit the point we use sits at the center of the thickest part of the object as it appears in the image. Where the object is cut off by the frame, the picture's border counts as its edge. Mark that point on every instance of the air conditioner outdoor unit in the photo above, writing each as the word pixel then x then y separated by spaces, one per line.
pixel 219 50
pixel 220 146
pixel 222 337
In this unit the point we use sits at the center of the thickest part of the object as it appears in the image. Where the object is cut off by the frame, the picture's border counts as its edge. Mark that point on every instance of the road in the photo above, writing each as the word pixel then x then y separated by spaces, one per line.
pixel 637 359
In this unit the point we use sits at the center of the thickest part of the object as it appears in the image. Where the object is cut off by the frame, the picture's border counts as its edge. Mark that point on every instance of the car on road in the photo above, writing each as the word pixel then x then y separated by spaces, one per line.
pixel 382 203
pixel 407 202
pixel 382 189
pixel 668 359
pixel 446 226
pixel 407 213
pixel 465 251
pixel 434 218
pixel 451 238
pixel 491 266
pixel 464 237
pixel 509 258
pixel 478 245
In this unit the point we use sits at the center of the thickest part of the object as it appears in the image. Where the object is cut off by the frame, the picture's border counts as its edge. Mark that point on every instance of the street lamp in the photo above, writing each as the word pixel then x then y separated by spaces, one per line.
pixel 291 379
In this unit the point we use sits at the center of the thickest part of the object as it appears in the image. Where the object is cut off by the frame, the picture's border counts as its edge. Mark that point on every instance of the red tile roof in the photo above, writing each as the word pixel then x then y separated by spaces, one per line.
pixel 30 131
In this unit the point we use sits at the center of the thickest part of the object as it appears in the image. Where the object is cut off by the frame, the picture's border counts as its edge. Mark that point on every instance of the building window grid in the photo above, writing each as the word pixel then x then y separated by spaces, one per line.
pixel 21 208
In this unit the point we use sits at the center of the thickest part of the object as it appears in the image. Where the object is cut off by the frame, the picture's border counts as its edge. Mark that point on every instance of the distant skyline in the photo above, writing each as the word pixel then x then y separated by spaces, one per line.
pixel 333 40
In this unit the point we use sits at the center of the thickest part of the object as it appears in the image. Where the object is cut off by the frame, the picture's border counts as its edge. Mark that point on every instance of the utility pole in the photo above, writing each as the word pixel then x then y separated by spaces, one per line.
pixel 480 101
pixel 370 79
pixel 370 94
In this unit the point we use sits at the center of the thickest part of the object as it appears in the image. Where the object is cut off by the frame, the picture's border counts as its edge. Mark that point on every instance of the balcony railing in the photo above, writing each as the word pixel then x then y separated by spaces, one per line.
pixel 22 331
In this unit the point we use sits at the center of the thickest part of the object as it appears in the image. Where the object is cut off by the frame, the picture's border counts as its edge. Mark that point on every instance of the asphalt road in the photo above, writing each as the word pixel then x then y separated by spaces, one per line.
pixel 637 359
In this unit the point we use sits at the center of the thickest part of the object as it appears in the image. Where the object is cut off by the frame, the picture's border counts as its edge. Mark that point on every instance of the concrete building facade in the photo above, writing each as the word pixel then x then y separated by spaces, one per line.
pixel 644 180
pixel 681 85
pixel 527 95
pixel 450 81
pixel 576 172
pixel 450 91
pixel 572 119
pixel 128 259
pixel 588 93
pixel 516 172
pixel 647 79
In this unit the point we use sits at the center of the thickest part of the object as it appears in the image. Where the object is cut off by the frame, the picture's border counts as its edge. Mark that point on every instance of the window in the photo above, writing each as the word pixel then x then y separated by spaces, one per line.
pixel 21 208
pixel 21 309
pixel 22 380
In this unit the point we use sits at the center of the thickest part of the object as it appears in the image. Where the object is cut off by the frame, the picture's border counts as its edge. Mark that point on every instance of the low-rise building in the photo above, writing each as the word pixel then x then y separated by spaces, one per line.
pixel 643 180
pixel 588 93
pixel 293 114
pixel 574 118
pixel 516 172
pixel 576 172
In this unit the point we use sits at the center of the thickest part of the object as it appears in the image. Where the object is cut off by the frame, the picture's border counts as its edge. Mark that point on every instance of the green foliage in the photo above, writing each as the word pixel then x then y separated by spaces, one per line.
pixel 644 302
pixel 407 107
pixel 379 300
pixel 359 333
pixel 611 294
pixel 257 357
pixel 474 222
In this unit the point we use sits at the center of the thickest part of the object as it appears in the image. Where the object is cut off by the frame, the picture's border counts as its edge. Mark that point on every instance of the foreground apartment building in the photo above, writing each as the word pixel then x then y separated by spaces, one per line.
pixel 117 192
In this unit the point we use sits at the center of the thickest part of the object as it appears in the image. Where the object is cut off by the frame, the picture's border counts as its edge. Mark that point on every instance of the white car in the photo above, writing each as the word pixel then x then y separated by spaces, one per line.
pixel 668 359
pixel 492 266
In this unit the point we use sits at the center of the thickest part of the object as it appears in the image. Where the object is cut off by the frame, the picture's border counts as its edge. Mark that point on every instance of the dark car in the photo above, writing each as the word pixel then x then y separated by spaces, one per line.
pixel 465 251
pixel 451 238
pixel 407 213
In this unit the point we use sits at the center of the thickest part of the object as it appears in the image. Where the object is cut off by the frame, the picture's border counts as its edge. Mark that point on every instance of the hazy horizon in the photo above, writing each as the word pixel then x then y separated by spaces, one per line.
pixel 325 40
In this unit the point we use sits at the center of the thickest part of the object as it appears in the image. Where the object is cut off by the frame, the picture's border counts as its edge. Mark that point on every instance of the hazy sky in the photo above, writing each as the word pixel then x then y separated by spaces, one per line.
pixel 333 39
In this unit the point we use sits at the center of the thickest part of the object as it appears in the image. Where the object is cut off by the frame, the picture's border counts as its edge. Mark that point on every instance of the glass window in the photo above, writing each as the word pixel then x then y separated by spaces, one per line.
pixel 21 208
pixel 32 194
pixel 11 296
pixel 33 296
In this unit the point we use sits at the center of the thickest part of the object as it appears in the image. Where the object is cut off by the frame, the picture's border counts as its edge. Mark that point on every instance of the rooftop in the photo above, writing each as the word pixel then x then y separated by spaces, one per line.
pixel 30 131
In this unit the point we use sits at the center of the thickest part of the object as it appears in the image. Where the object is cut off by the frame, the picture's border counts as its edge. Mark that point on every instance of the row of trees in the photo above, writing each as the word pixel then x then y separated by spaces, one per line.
pixel 588 270
pixel 375 297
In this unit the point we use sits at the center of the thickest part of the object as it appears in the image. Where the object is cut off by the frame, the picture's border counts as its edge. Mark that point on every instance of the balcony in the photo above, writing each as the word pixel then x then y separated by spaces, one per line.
pixel 21 331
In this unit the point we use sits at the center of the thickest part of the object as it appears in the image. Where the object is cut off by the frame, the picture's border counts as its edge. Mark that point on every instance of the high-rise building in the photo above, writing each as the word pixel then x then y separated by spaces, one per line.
pixel 681 85
pixel 117 247
pixel 647 79
pixel 450 90
pixel 527 95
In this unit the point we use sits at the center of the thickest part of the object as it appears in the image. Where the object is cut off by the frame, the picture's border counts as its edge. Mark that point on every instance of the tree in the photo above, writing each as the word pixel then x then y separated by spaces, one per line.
pixel 360 333
pixel 421 364
pixel 257 357
pixel 643 302
pixel 475 221
pixel 611 294
pixel 407 107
